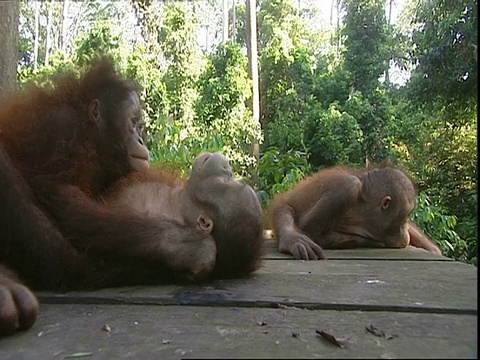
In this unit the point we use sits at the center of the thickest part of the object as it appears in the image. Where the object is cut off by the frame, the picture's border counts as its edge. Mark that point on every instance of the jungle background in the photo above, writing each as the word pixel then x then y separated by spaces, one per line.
pixel 349 82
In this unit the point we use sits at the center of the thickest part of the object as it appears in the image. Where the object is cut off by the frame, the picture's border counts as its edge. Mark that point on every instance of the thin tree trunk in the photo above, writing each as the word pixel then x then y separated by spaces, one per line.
pixel 63 44
pixel 9 15
pixel 251 20
pixel 339 44
pixel 389 21
pixel 332 36
pixel 78 19
pixel 206 38
pixel 225 22
pixel 390 5
pixel 37 32
pixel 48 42
pixel 234 21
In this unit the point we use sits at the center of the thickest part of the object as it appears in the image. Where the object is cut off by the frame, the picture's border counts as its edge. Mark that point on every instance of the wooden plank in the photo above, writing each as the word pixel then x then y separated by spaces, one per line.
pixel 430 305
pixel 409 253
pixel 174 332
pixel 404 286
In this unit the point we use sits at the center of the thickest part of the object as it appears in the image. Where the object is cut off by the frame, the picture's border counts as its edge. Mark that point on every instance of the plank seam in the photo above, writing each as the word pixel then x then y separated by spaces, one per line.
pixel 87 300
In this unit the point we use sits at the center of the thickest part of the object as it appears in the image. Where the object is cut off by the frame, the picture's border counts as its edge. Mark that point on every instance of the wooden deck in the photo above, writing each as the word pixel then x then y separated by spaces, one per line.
pixel 416 305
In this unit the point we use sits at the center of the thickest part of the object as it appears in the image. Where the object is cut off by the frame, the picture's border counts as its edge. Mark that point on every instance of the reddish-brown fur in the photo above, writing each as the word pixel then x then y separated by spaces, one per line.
pixel 46 130
pixel 341 207
pixel 210 192
pixel 62 149
pixel 72 134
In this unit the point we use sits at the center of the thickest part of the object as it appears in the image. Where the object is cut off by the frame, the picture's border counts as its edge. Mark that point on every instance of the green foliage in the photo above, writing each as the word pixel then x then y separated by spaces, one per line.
pixel 143 67
pixel 467 229
pixel 220 121
pixel 434 129
pixel 280 172
pixel 176 146
pixel 321 102
pixel 440 226
pixel 222 111
pixel 364 124
pixel 183 58
pixel 240 23
pixel 286 85
pixel 277 19
pixel 287 67
pixel 100 41
pixel 47 12
pixel 451 171
pixel 331 82
pixel 444 45
pixel 366 52
pixel 177 34
pixel 373 114
pixel 58 65
pixel 333 137
pixel 368 48
pixel 443 158
pixel 224 85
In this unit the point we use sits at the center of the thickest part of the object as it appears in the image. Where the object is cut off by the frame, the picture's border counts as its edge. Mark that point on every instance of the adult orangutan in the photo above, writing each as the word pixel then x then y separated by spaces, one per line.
pixel 341 207
pixel 62 149
pixel 77 132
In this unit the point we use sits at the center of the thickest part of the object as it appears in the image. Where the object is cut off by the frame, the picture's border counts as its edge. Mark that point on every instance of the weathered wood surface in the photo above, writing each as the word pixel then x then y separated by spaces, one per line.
pixel 163 332
pixel 410 253
pixel 426 303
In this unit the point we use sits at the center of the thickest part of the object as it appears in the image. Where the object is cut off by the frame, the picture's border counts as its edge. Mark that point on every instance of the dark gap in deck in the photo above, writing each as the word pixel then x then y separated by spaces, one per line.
pixel 364 258
pixel 189 300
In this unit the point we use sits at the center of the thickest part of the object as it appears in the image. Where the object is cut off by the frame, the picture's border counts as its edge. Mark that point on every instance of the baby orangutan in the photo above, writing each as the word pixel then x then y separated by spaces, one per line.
pixel 225 213
pixel 341 207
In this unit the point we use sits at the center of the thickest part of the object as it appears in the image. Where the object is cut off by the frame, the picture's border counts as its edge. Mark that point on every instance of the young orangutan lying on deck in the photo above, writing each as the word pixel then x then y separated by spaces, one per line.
pixel 224 214
pixel 209 225
pixel 341 207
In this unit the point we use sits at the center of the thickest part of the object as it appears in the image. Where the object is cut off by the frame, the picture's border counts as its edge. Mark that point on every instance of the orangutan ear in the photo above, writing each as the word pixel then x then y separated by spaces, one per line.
pixel 94 111
pixel 205 223
pixel 386 202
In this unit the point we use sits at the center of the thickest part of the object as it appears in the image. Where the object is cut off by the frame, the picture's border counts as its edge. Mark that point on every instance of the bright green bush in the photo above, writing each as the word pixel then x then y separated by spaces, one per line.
pixel 333 137
pixel 280 171
pixel 440 226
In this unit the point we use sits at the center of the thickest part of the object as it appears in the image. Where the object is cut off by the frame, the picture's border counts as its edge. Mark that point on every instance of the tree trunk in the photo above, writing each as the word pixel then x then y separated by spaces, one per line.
pixel 234 21
pixel 251 20
pixel 225 22
pixel 389 22
pixel 37 32
pixel 48 43
pixel 63 43
pixel 339 38
pixel 332 36
pixel 9 15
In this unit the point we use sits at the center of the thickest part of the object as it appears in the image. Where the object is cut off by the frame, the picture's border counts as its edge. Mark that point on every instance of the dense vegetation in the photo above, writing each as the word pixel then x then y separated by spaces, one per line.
pixel 329 90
